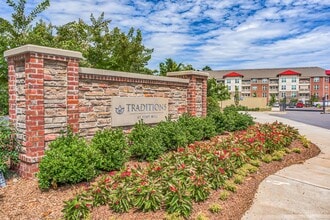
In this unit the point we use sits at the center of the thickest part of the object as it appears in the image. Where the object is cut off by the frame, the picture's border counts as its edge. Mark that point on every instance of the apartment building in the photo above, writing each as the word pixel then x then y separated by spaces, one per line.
pixel 293 83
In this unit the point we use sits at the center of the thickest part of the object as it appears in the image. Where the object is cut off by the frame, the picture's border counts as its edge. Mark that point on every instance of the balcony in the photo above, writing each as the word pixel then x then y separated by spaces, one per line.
pixel 304 82
pixel 273 82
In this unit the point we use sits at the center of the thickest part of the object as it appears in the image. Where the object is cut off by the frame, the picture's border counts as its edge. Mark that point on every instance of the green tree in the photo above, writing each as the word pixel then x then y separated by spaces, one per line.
pixel 215 92
pixel 314 98
pixel 207 68
pixel 171 66
pixel 15 33
pixel 104 48
pixel 101 47
pixel 236 96
pixel 272 99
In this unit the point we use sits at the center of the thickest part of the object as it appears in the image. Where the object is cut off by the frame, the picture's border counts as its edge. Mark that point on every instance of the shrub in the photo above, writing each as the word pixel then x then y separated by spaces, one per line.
pixel 68 160
pixel 172 135
pixel 296 150
pixel 224 195
pixel 231 120
pixel 215 208
pixel 255 163
pixel 212 105
pixel 111 149
pixel 192 128
pixel 208 127
pixel 8 151
pixel 230 186
pixel 146 143
pixel 238 179
pixel 267 158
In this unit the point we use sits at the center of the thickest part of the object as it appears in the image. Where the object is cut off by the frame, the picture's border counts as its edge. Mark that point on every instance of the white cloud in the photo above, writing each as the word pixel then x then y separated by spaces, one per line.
pixel 221 34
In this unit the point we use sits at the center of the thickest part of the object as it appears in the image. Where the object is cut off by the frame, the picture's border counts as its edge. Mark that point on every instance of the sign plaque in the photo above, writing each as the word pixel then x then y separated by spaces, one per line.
pixel 129 110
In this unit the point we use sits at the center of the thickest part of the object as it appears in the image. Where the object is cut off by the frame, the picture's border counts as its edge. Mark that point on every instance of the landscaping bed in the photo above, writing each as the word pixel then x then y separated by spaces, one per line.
pixel 22 199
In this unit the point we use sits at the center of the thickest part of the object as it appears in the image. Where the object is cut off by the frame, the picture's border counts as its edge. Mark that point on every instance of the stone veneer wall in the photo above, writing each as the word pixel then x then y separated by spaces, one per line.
pixel 96 90
pixel 48 92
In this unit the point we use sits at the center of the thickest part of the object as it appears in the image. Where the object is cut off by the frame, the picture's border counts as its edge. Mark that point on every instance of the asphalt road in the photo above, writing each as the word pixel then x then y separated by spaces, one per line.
pixel 311 118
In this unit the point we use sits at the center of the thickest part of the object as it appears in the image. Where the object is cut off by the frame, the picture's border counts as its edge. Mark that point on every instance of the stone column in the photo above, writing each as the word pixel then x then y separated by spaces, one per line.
pixel 27 99
pixel 196 91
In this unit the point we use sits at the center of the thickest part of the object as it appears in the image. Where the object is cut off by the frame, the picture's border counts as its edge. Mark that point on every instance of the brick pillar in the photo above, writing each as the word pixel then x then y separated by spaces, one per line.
pixel 196 91
pixel 27 99
pixel 73 93
pixel 204 97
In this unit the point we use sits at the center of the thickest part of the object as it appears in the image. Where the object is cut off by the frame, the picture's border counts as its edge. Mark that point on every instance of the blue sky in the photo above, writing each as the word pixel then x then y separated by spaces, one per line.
pixel 223 34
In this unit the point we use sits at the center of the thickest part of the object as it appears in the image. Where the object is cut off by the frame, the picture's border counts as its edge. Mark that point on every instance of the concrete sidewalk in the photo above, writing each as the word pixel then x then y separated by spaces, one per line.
pixel 300 191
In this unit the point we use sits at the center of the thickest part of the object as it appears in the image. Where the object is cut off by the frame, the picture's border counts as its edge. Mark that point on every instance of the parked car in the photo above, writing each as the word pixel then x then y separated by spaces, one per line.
pixel 299 105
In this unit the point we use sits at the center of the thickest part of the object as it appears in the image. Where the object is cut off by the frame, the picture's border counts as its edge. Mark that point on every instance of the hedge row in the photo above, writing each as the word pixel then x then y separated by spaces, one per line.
pixel 70 159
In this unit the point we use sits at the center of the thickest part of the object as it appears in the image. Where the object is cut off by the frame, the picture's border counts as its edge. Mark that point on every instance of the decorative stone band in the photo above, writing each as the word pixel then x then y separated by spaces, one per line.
pixel 99 74
pixel 30 160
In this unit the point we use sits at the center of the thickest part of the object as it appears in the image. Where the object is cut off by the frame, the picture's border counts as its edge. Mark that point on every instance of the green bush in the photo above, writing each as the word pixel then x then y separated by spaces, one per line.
pixel 68 160
pixel 172 135
pixel 146 143
pixel 231 120
pixel 8 151
pixel 111 149
pixel 192 127
pixel 208 126
pixel 212 105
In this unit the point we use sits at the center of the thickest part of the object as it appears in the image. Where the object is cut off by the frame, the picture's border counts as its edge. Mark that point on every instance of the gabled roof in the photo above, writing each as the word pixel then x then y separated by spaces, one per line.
pixel 288 73
pixel 233 74
pixel 269 73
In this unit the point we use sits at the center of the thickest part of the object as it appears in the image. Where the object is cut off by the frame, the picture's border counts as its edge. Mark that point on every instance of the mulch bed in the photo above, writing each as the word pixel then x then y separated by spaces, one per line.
pixel 22 199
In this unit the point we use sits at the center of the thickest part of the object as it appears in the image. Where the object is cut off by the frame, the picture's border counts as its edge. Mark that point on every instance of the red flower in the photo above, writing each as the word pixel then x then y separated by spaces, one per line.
pixel 112 173
pixel 180 149
pixel 182 166
pixel 107 180
pixel 88 205
pixel 125 174
pixel 77 206
pixel 158 168
pixel 251 140
pixel 173 189
pixel 221 170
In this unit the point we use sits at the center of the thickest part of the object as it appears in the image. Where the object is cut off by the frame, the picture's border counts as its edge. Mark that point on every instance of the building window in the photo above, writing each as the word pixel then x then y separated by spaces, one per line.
pixel 264 88
pixel 326 79
pixel 254 88
pixel 236 81
pixel 316 87
pixel 293 87
pixel 283 87
pixel 326 87
pixel 293 94
pixel 228 81
pixel 229 88
pixel 294 79
pixel 316 79
pixel 283 80
pixel 283 94
pixel 264 94
pixel 264 80
pixel 254 80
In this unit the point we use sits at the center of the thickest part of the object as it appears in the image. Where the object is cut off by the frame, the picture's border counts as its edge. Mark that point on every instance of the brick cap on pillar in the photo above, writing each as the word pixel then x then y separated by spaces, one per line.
pixel 45 50
pixel 188 73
